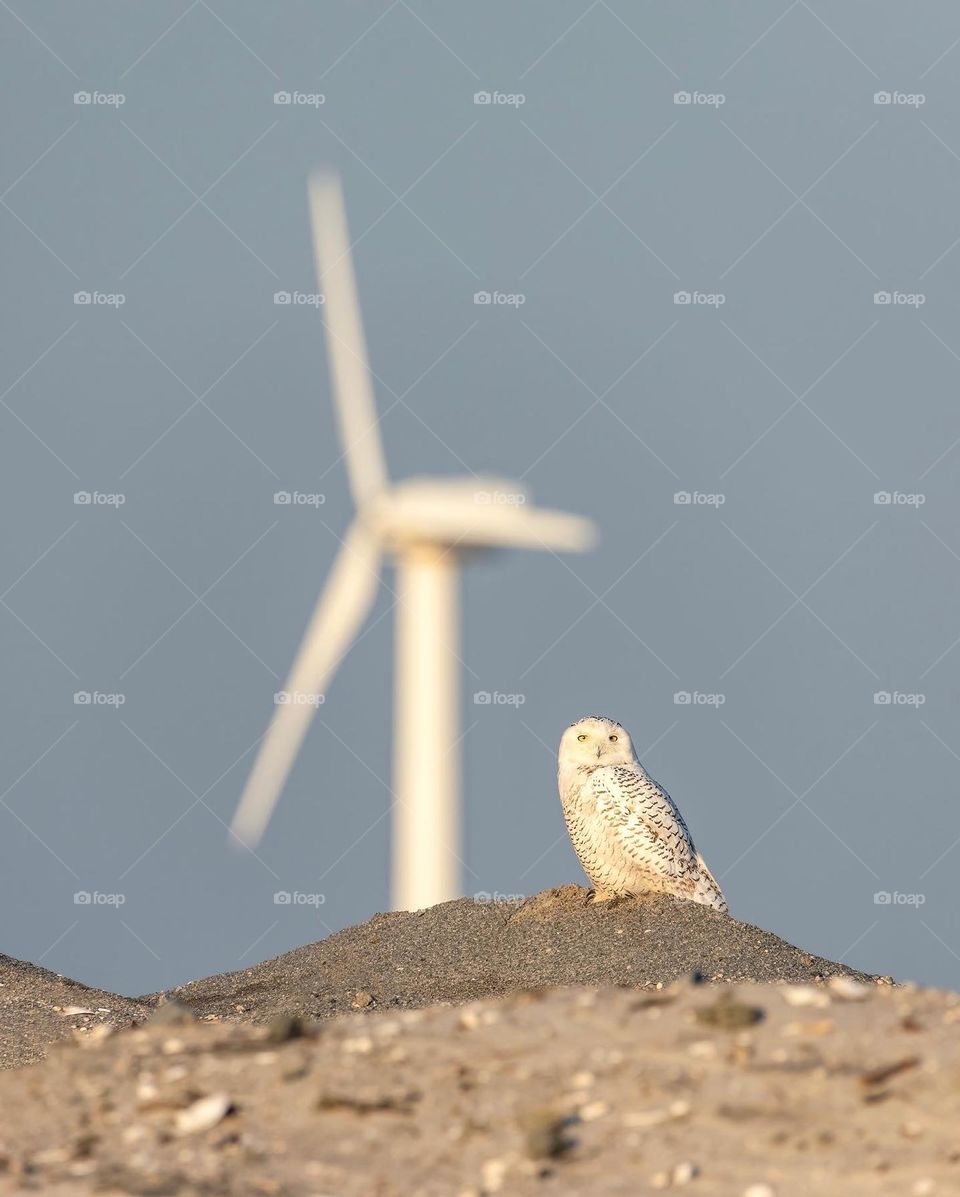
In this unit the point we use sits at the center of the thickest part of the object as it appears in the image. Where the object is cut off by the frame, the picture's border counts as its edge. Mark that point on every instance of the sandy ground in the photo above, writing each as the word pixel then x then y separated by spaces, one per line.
pixel 430 1055
pixel 747 1090
pixel 463 950
pixel 38 1007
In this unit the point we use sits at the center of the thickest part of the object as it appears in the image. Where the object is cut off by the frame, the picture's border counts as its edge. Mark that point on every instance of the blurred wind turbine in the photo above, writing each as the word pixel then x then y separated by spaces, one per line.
pixel 427 524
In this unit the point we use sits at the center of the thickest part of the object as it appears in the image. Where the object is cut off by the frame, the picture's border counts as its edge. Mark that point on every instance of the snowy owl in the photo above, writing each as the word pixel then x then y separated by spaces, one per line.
pixel 626 830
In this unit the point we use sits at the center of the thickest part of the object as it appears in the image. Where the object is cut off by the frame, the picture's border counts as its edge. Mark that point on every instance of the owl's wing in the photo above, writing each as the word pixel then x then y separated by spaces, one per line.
pixel 644 819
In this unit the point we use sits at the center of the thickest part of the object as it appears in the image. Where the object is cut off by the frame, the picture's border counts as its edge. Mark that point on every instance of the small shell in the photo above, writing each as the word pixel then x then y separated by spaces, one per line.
pixel 203 1114
pixel 849 990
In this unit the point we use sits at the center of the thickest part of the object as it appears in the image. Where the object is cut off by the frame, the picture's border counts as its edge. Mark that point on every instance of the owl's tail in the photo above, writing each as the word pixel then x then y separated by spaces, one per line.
pixel 706 889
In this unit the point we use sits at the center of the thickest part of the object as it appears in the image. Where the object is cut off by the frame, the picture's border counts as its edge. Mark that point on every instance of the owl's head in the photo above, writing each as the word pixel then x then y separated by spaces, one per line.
pixel 594 741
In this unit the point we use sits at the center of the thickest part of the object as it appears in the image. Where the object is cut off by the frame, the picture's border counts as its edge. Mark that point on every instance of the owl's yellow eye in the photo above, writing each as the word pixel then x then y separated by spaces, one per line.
pixel 613 739
pixel 581 738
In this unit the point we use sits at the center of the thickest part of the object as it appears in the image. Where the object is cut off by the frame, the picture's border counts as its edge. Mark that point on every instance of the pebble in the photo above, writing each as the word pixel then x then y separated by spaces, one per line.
pixel 203 1114
pixel 362 1000
pixel 823 1026
pixel 849 990
pixel 728 1014
pixel 96 1035
pixel 760 1190
pixel 592 1111
pixel 493 1173
pixel 923 1186
pixel 171 1013
pixel 284 1027
pixel 805 995
pixel 544 1133
pixel 582 1080
pixel 680 1174
pixel 655 1117
pixel 359 1045
pixel 469 1019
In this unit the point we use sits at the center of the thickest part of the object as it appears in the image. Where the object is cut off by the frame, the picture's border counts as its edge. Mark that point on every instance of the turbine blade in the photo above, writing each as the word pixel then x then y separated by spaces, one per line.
pixel 543 528
pixel 346 348
pixel 342 607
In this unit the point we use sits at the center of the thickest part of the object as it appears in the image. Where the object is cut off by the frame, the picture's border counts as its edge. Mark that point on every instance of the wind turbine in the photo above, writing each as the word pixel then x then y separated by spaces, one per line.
pixel 427 525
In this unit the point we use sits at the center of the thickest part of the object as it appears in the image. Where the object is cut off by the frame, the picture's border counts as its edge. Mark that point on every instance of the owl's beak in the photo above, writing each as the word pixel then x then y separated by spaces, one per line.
pixel 599 750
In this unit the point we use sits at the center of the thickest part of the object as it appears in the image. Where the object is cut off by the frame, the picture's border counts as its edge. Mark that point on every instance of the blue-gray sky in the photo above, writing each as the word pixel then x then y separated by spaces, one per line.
pixel 782 198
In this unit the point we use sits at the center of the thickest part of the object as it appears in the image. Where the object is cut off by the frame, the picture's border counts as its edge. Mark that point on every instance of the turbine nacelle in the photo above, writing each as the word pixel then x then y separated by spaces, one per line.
pixel 470 513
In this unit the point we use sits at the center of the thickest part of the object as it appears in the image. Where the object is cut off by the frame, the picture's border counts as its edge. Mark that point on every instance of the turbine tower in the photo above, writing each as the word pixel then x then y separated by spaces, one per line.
pixel 426 525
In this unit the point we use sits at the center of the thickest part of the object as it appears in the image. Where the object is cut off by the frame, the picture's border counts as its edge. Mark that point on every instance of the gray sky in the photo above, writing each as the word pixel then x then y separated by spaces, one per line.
pixel 782 188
